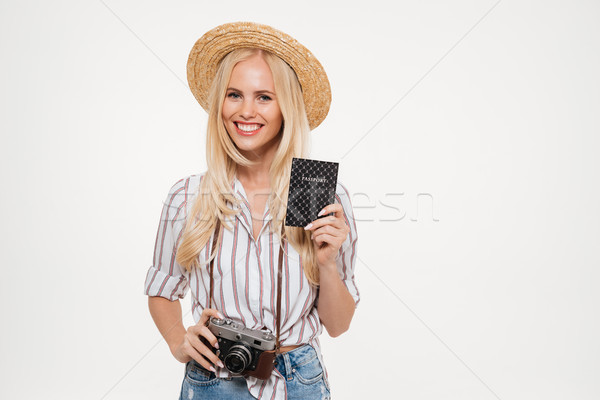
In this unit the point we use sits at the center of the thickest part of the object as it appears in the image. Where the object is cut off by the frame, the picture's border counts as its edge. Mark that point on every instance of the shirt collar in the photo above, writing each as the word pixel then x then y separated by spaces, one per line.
pixel 240 193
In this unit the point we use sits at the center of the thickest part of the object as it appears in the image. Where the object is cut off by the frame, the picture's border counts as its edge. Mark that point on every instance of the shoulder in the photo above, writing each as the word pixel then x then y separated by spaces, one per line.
pixel 342 196
pixel 182 191
pixel 341 191
pixel 185 186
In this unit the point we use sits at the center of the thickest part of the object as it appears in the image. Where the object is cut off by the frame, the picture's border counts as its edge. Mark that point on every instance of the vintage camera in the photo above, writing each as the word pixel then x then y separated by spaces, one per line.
pixel 243 351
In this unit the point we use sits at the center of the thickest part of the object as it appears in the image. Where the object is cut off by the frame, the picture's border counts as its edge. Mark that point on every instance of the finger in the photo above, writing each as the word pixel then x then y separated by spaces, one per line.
pixel 340 233
pixel 337 234
pixel 199 358
pixel 207 313
pixel 191 351
pixel 335 208
pixel 207 335
pixel 339 222
pixel 203 349
pixel 331 208
pixel 324 229
pixel 327 238
pixel 204 332
pixel 319 222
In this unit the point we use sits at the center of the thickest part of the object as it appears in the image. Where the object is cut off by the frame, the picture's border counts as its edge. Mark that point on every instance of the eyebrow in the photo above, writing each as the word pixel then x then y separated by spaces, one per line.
pixel 257 92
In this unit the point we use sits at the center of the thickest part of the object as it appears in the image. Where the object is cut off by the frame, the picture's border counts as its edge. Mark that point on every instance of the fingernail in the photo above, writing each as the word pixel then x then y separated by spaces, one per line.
pixel 321 213
pixel 216 346
pixel 212 369
pixel 220 315
pixel 308 226
pixel 221 364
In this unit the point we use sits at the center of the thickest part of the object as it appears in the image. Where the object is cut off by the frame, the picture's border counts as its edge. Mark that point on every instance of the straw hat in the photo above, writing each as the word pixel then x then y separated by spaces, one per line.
pixel 210 49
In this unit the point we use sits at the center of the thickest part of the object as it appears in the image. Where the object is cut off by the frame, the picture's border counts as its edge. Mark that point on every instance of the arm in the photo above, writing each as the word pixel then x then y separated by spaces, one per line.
pixel 167 282
pixel 184 344
pixel 335 242
pixel 336 305
pixel 167 317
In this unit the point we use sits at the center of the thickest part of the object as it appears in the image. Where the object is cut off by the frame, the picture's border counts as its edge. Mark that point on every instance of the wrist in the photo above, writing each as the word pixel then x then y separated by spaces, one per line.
pixel 328 267
pixel 179 354
pixel 175 343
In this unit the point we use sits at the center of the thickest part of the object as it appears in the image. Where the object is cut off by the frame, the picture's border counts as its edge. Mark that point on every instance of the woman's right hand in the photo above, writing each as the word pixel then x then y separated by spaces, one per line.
pixel 192 347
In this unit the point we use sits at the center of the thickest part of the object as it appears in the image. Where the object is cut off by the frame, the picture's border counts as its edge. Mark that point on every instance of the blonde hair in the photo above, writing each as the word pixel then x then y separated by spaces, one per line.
pixel 222 158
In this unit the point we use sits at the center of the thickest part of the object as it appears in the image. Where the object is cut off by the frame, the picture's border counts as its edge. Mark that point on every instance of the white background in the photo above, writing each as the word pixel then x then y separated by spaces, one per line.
pixel 478 121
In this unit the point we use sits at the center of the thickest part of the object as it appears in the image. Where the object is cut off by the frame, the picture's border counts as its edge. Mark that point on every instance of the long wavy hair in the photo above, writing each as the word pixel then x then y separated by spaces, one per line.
pixel 223 158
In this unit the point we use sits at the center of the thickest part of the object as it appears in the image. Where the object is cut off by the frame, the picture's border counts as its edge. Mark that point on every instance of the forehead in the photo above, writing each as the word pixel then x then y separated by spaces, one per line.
pixel 252 73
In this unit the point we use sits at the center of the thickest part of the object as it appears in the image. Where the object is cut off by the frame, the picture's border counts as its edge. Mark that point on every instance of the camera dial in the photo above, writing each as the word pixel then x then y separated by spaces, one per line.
pixel 236 326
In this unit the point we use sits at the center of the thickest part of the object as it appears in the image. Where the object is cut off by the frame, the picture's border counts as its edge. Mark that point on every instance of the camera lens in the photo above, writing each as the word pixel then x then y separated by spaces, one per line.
pixel 238 358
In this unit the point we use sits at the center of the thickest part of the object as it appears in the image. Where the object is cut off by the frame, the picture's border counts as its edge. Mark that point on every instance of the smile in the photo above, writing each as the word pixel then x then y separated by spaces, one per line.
pixel 247 129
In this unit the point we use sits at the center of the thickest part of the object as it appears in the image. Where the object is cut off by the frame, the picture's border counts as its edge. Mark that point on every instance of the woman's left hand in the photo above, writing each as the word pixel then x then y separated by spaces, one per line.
pixel 328 234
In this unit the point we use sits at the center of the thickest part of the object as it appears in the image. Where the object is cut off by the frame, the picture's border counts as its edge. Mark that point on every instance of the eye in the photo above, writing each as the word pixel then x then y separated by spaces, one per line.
pixel 233 95
pixel 264 97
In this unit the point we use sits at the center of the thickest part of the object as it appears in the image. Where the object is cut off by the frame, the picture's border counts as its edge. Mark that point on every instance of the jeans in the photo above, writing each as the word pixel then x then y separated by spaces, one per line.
pixel 301 367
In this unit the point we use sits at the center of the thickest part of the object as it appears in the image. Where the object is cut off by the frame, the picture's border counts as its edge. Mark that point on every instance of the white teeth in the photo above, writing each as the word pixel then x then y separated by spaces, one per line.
pixel 248 128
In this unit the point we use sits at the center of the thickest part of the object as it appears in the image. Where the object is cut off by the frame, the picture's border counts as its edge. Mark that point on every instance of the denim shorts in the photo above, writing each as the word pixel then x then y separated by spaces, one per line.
pixel 305 379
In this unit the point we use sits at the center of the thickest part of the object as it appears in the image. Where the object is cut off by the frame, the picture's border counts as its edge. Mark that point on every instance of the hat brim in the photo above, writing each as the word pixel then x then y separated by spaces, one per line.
pixel 215 44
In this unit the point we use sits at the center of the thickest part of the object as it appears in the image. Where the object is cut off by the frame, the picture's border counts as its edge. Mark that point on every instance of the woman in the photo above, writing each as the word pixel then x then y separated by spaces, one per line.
pixel 264 92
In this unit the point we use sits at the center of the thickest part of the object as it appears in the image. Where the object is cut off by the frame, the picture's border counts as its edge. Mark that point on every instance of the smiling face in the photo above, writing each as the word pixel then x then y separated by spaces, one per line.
pixel 250 111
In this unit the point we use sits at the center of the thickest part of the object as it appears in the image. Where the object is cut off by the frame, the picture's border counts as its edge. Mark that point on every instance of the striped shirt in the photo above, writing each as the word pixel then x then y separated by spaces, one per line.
pixel 245 275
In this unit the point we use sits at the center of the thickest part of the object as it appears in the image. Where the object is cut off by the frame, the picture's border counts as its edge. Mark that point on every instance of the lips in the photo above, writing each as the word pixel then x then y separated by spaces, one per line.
pixel 247 129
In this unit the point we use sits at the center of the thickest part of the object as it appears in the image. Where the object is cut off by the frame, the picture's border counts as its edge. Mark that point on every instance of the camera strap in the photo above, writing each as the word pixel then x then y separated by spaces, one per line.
pixel 279 273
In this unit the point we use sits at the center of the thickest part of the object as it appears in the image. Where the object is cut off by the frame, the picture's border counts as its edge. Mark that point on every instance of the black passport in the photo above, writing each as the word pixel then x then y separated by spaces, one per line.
pixel 312 187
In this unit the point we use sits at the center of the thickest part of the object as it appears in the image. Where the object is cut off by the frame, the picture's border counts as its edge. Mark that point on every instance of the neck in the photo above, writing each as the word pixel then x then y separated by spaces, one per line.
pixel 257 175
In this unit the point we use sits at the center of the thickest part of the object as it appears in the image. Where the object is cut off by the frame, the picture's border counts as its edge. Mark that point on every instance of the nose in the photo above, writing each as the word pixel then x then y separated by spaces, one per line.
pixel 248 110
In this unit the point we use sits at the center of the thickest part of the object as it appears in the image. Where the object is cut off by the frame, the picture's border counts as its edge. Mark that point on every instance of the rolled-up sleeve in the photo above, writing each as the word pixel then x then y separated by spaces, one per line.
pixel 165 277
pixel 346 259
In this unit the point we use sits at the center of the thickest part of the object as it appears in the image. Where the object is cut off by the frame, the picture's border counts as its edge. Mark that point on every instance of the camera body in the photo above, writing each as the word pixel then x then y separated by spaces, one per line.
pixel 243 351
